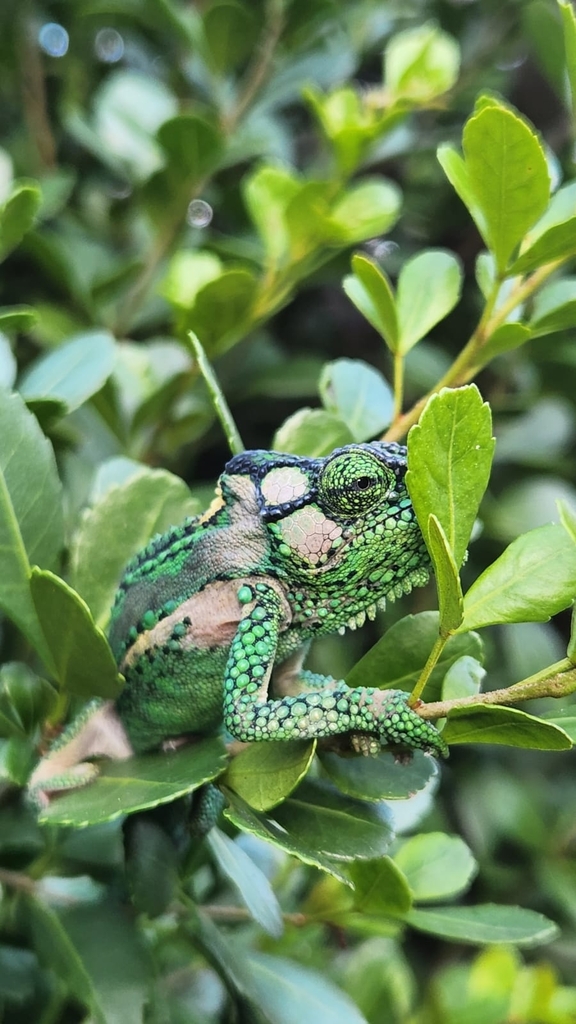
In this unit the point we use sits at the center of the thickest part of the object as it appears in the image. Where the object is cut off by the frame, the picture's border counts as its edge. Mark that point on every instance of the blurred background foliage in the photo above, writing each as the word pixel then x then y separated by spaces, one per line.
pixel 167 166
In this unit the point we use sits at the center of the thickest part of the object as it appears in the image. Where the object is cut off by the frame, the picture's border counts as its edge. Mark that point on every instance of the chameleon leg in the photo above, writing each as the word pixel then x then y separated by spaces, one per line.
pixel 249 715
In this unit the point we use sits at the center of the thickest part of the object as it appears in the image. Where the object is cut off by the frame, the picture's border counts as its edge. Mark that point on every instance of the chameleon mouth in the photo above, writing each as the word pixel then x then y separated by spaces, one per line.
pixel 400 589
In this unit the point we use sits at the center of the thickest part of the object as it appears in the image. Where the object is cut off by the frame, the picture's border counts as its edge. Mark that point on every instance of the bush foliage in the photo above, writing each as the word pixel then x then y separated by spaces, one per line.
pixel 302 225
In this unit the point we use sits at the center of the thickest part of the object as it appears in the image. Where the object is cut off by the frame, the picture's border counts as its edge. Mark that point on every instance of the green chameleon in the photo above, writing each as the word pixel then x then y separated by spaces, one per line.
pixel 212 620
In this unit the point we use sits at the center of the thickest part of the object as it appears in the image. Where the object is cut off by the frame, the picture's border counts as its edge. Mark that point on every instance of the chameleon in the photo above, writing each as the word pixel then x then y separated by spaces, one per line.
pixel 213 619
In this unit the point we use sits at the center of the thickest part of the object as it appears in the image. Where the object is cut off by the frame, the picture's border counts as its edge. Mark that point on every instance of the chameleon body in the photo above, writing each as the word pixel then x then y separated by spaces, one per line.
pixel 212 620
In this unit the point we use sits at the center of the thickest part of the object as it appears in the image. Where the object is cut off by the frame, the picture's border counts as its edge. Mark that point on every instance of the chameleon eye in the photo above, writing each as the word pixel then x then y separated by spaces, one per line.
pixel 353 482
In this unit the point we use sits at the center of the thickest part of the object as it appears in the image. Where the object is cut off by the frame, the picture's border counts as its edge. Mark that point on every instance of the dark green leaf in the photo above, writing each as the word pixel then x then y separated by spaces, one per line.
pixel 151 864
pixel 358 395
pixel 25 699
pixel 485 923
pixel 379 778
pixel 74 372
pixel 265 773
pixel 252 885
pixel 436 866
pixel 123 787
pixel 533 579
pixel 231 31
pixel 31 526
pixel 17 215
pixel 496 724
pixel 380 887
pixel 83 661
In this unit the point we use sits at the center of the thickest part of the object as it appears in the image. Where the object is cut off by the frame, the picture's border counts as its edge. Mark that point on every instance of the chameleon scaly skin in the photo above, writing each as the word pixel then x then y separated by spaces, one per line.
pixel 212 621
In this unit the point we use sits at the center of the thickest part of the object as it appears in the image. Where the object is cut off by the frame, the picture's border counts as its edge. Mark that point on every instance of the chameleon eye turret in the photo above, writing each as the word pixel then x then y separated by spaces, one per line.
pixel 353 482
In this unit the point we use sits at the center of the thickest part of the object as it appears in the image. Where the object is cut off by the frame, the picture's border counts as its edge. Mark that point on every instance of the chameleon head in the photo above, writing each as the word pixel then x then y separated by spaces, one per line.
pixel 341 529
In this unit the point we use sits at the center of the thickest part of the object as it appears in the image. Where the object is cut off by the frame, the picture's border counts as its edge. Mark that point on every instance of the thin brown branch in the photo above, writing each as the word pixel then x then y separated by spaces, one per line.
pixel 560 684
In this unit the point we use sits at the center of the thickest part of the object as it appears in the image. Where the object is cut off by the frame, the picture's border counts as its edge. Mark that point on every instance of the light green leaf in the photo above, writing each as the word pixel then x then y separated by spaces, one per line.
pixel 288 993
pixel 398 658
pixel 492 723
pixel 17 318
pixel 436 866
pixel 31 523
pixel 17 215
pixel 312 432
pixel 221 311
pixel 188 272
pixel 252 885
pixel 428 288
pixel 420 63
pixel 364 211
pixel 559 242
pixel 449 458
pixel 463 679
pixel 123 787
pixel 504 339
pixel 508 175
pixel 8 364
pixel 266 773
pixel 456 171
pixel 371 292
pixel 83 661
pixel 358 395
pixel 265 827
pixel 554 307
pixel 73 372
pixel 533 579
pixel 450 600
pixel 267 192
pixel 149 503
pixel 485 923
pixel 379 778
pixel 380 887
pixel 565 719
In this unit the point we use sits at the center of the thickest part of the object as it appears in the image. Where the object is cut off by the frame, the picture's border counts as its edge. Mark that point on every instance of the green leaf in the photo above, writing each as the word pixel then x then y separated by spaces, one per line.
pixel 151 864
pixel 569 32
pixel 231 32
pixel 83 661
pixel 267 192
pixel 221 312
pixel 288 993
pixel 123 787
pixel 8 364
pixel 504 339
pixel 74 372
pixel 456 171
pixel 380 887
pixel 312 432
pixel 379 778
pixel 264 774
pixel 193 146
pixel 420 63
pixel 334 824
pixel 188 272
pixel 428 288
pixel 369 288
pixel 485 923
pixel 253 887
pixel 554 307
pixel 358 395
pixel 149 502
pixel 450 600
pixel 31 524
pixel 398 658
pixel 490 723
pixel 17 318
pixel 449 458
pixel 265 827
pixel 17 215
pixel 559 242
pixel 463 679
pixel 508 175
pixel 364 211
pixel 25 699
pixel 436 866
pixel 533 579
pixel 565 719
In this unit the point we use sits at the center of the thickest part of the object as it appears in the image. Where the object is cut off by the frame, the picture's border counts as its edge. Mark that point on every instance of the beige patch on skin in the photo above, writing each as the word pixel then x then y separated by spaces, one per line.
pixel 214 615
pixel 215 505
pixel 309 533
pixel 284 484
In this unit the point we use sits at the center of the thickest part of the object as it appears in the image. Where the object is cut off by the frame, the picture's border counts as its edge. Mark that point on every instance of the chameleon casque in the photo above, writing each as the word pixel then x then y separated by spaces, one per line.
pixel 213 619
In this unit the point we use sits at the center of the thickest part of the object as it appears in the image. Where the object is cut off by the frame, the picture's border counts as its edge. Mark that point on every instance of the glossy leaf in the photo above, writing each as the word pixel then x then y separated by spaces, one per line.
pixel 74 372
pixel 311 432
pixel 369 288
pixel 449 458
pixel 428 289
pixel 84 663
pixel 358 395
pixel 450 601
pixel 149 502
pixel 485 923
pixel 380 887
pixel 264 826
pixel 123 787
pixel 264 774
pixel 533 579
pixel 483 723
pixel 17 215
pixel 253 887
pixel 379 778
pixel 289 993
pixel 436 866
pixel 508 175
pixel 398 658
pixel 31 525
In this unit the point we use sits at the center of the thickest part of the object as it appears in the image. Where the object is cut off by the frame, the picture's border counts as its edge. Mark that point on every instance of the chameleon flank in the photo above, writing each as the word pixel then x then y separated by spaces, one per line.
pixel 212 620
